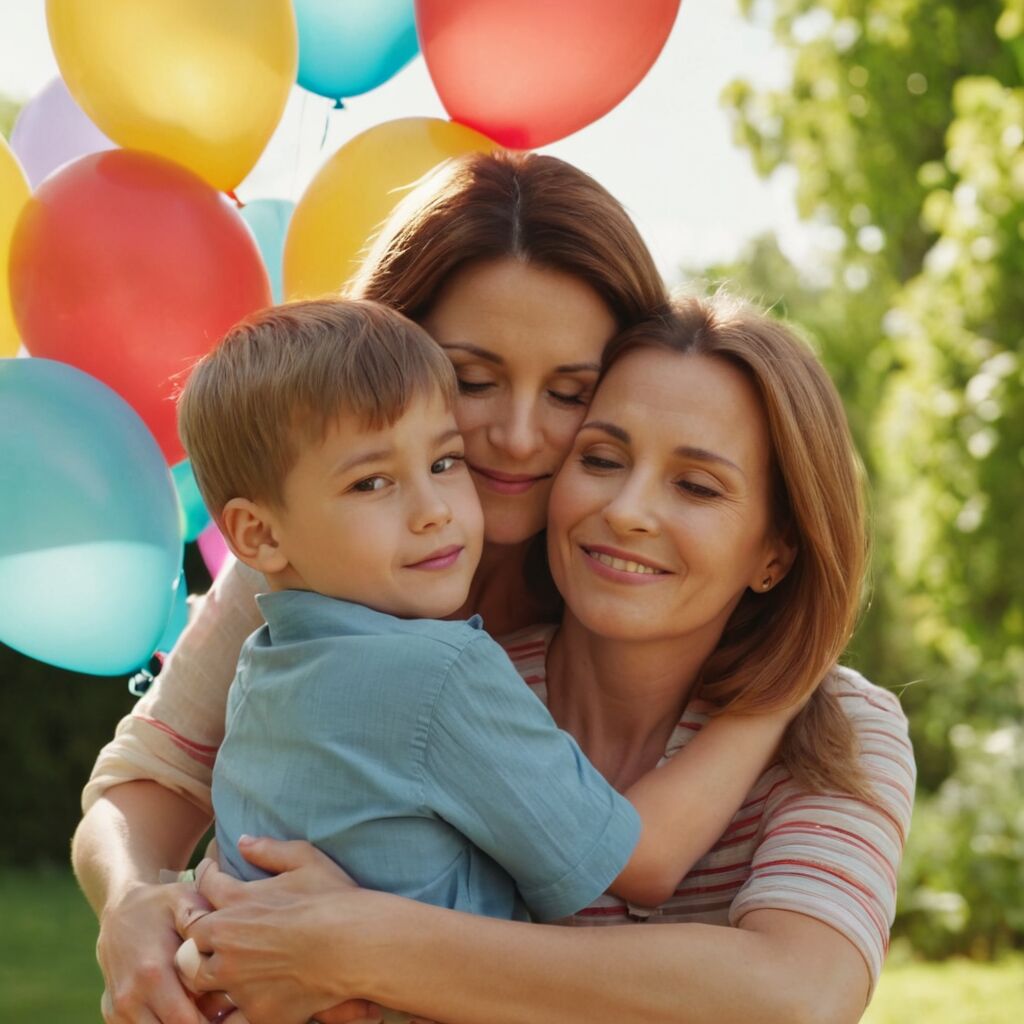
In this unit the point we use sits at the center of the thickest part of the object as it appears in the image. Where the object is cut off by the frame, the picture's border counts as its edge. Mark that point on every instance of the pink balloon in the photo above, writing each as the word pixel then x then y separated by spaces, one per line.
pixel 51 130
pixel 213 549
pixel 529 72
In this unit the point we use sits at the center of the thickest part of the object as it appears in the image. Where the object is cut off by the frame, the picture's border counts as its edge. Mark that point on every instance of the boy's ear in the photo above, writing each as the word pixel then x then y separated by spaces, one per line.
pixel 248 529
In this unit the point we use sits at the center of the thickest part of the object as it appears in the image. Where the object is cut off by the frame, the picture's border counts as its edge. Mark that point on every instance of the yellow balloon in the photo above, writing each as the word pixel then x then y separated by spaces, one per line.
pixel 14 193
pixel 202 82
pixel 355 191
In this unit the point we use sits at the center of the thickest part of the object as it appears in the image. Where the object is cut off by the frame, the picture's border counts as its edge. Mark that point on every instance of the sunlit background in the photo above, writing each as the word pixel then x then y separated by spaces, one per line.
pixel 857 165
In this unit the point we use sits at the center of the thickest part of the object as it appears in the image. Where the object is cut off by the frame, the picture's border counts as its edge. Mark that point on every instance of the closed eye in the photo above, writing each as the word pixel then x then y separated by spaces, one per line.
pixel 564 399
pixel 697 490
pixel 469 387
pixel 595 462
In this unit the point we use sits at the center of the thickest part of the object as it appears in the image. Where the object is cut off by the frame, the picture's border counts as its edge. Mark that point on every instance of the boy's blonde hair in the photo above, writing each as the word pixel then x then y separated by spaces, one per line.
pixel 281 377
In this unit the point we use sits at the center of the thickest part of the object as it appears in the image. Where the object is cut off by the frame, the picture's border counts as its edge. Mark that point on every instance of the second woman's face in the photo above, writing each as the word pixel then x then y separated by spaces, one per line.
pixel 660 519
pixel 526 343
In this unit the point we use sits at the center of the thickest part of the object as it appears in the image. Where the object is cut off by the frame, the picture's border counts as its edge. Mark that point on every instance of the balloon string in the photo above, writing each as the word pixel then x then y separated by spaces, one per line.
pixel 338 105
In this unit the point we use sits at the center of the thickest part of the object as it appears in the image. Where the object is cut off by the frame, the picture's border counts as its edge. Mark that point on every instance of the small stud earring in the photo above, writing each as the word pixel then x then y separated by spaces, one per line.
pixel 766 583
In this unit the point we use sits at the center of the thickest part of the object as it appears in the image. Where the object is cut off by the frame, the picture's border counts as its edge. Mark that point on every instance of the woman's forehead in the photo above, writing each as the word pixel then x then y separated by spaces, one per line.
pixel 674 399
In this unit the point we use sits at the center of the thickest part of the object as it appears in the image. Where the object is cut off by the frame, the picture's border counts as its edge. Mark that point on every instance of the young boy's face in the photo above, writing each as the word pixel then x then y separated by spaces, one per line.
pixel 386 518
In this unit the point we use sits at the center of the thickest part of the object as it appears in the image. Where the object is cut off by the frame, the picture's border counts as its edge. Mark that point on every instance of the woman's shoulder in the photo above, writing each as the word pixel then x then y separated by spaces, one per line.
pixel 865 704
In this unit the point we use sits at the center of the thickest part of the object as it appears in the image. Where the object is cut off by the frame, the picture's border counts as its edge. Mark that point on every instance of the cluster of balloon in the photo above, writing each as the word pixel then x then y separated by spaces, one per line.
pixel 127 262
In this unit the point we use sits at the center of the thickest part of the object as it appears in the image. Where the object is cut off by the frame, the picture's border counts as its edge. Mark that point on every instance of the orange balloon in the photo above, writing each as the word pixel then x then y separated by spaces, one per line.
pixel 353 194
pixel 201 82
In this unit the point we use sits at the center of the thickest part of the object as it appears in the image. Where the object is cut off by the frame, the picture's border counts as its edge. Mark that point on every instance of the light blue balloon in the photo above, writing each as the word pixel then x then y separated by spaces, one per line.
pixel 348 47
pixel 194 517
pixel 268 221
pixel 90 547
pixel 179 617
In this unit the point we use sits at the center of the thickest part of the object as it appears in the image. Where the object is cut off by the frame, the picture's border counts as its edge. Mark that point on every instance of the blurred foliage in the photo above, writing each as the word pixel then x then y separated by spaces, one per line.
pixel 904 122
pixel 54 723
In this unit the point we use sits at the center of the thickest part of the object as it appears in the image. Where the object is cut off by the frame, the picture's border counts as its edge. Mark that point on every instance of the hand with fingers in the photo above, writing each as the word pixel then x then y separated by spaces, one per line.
pixel 275 945
pixel 137 942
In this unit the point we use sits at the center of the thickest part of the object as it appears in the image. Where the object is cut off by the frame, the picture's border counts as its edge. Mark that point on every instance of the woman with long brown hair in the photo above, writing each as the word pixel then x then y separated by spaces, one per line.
pixel 707 532
pixel 522 268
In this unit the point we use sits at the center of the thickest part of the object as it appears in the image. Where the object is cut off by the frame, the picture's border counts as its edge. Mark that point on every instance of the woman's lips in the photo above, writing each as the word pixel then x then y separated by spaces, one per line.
pixel 621 566
pixel 445 558
pixel 506 483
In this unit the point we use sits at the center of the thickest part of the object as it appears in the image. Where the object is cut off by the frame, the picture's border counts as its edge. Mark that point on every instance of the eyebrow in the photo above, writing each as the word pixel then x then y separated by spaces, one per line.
pixel 493 357
pixel 382 453
pixel 685 451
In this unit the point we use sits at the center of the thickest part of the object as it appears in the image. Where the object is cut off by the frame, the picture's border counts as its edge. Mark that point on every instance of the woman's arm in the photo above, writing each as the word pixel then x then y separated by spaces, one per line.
pixel 123 841
pixel 687 804
pixel 290 945
pixel 147 804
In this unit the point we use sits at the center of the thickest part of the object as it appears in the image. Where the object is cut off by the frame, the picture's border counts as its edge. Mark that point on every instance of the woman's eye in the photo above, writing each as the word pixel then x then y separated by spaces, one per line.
pixel 697 490
pixel 598 463
pixel 565 399
pixel 370 483
pixel 448 462
pixel 473 387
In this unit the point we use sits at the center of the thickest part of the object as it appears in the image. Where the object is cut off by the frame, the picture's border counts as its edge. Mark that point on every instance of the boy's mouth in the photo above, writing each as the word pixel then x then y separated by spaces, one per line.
pixel 443 558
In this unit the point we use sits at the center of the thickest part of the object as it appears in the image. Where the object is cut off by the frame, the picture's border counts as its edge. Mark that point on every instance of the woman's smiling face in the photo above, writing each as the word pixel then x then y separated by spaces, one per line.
pixel 660 518
pixel 526 343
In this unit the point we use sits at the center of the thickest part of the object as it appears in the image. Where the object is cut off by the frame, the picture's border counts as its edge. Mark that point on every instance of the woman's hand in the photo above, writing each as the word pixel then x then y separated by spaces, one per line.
pixel 269 943
pixel 136 947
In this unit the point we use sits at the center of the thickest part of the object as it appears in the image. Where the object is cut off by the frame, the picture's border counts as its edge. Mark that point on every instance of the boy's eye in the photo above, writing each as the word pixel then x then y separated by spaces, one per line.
pixel 370 483
pixel 448 462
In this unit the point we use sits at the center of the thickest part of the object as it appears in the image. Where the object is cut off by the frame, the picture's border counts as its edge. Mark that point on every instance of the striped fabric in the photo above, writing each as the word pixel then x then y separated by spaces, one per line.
pixel 832 858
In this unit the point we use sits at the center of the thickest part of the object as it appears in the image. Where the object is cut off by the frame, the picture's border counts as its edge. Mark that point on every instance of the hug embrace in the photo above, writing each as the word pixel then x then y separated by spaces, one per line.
pixel 655 510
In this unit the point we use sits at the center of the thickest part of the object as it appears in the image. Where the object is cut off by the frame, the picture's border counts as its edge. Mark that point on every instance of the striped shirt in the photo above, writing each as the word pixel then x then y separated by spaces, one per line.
pixel 832 858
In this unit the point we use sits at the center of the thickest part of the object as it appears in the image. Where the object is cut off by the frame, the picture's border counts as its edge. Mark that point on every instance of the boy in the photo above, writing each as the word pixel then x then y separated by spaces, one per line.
pixel 405 747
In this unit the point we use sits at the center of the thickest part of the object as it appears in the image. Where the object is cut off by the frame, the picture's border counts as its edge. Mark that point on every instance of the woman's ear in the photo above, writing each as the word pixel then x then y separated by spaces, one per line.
pixel 248 529
pixel 779 560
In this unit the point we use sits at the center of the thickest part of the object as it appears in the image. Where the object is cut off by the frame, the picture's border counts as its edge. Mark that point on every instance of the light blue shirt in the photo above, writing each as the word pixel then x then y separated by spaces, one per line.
pixel 412 753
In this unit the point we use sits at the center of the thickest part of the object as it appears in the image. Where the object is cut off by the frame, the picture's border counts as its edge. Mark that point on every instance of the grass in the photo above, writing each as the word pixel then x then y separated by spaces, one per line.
pixel 48 968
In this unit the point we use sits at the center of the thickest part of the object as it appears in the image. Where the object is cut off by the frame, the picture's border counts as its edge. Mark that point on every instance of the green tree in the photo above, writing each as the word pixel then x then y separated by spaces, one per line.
pixel 904 122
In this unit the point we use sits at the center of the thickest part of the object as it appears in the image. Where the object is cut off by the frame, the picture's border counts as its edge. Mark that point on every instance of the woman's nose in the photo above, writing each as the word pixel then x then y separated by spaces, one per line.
pixel 517 431
pixel 631 510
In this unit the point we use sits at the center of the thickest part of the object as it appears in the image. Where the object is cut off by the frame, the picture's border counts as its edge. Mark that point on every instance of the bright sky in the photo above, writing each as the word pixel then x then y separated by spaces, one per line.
pixel 666 151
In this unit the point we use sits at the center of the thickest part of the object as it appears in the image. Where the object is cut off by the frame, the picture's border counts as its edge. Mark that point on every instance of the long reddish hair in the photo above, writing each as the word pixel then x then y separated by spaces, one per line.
pixel 522 206
pixel 778 647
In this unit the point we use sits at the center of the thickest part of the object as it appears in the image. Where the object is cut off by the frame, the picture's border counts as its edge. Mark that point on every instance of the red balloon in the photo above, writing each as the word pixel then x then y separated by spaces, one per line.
pixel 130 268
pixel 529 72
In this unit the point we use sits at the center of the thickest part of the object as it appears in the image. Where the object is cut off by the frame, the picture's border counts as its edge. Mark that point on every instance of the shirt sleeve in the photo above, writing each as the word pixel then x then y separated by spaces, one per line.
pixel 172 735
pixel 835 858
pixel 498 769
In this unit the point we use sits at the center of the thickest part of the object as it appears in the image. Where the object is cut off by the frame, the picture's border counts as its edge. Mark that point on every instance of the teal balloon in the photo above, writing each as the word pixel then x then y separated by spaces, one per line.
pixel 194 517
pixel 348 47
pixel 90 548
pixel 179 616
pixel 268 221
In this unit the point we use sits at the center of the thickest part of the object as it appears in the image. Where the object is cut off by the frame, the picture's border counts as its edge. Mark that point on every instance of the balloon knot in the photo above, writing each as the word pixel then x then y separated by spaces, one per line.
pixel 338 105
pixel 139 683
pixel 230 193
